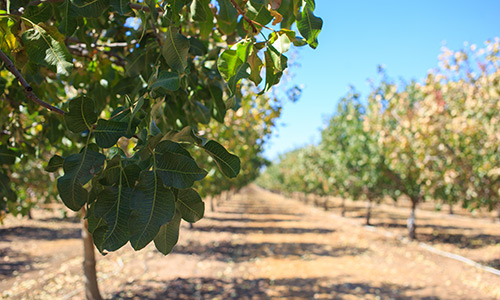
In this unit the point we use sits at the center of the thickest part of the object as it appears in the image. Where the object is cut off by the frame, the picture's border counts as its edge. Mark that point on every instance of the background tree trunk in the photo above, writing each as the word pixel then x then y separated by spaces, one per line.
pixel 342 212
pixel 89 271
pixel 411 220
pixel 325 204
pixel 368 211
pixel 450 209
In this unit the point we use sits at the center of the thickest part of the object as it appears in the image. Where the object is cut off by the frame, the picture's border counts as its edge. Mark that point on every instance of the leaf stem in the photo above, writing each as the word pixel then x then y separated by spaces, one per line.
pixel 27 88
pixel 242 13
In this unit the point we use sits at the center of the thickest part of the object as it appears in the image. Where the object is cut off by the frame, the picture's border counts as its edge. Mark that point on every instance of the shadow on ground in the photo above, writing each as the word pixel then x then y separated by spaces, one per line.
pixel 262 288
pixel 38 233
pixel 265 230
pixel 12 262
pixel 227 251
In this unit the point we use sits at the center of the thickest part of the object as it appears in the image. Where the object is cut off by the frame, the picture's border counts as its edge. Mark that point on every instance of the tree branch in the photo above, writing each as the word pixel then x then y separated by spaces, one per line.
pixel 27 88
pixel 242 13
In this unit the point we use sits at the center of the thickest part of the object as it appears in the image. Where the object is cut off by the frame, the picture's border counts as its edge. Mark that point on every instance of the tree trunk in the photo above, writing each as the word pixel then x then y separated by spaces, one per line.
pixel 368 211
pixel 450 209
pixel 325 204
pixel 411 220
pixel 89 271
pixel 212 203
pixel 342 212
pixel 498 211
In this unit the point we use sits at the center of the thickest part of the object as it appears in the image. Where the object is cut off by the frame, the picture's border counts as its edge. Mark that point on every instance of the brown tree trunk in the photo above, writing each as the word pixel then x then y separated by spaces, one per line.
pixel 89 271
pixel 342 212
pixel 325 204
pixel 212 203
pixel 368 211
pixel 498 210
pixel 450 209
pixel 411 220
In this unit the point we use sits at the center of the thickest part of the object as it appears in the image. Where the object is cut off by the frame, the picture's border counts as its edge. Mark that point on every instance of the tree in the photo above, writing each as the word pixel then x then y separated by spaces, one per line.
pixel 119 89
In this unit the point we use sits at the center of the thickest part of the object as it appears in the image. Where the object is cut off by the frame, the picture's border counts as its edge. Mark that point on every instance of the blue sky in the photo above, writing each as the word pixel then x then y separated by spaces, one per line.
pixel 404 36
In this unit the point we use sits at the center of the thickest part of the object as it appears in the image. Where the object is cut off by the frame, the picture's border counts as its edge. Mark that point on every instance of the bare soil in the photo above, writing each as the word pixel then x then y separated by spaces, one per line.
pixel 259 245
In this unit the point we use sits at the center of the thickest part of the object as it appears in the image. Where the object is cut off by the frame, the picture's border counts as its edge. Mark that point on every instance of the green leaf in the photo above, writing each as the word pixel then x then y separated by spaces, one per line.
pixel 197 48
pixel 166 81
pixel 38 14
pixel 113 205
pixel 107 132
pixel 69 22
pixel 7 155
pixel 257 11
pixel 121 6
pixel 200 10
pixel 91 8
pixel 81 115
pixel 168 235
pixel 190 205
pixel 78 170
pixel 308 24
pixel 175 166
pixel 55 163
pixel 232 64
pixel 219 109
pixel 228 163
pixel 115 171
pixel 152 206
pixel 227 17
pixel 48 49
pixel 175 49
pixel 177 5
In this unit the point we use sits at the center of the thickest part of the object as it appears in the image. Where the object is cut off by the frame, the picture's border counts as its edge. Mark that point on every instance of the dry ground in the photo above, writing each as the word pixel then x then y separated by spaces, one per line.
pixel 261 245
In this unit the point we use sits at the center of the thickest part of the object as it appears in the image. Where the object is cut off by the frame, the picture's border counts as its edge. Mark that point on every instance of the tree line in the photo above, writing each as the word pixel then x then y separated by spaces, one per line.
pixel 435 140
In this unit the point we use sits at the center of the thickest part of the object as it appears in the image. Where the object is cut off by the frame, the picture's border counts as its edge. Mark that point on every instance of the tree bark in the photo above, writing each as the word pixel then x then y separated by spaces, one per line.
pixel 498 211
pixel 368 211
pixel 450 209
pixel 411 220
pixel 89 263
pixel 325 204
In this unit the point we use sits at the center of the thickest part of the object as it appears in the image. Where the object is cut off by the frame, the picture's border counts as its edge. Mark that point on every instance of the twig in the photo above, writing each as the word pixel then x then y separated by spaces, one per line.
pixel 242 13
pixel 27 88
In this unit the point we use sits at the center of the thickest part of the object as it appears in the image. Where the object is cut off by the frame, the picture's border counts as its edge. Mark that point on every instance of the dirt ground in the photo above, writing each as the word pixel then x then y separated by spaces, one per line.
pixel 260 245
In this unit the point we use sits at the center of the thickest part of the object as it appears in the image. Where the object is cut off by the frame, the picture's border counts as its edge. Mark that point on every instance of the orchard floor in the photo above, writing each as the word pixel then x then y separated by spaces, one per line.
pixel 261 245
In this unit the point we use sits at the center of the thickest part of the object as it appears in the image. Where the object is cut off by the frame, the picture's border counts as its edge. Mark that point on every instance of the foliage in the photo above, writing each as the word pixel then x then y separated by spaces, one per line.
pixel 134 89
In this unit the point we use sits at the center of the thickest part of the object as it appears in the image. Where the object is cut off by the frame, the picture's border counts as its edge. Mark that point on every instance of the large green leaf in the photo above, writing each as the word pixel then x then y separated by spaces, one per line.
pixel 38 14
pixel 78 170
pixel 175 166
pixel 121 6
pixel 168 235
pixel 308 24
pixel 166 81
pixel 175 49
pixel 81 115
pixel 91 8
pixel 116 173
pixel 113 205
pixel 107 132
pixel 190 205
pixel 152 206
pixel 48 49
pixel 177 5
pixel 219 107
pixel 69 22
pixel 7 155
pixel 227 17
pixel 228 163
